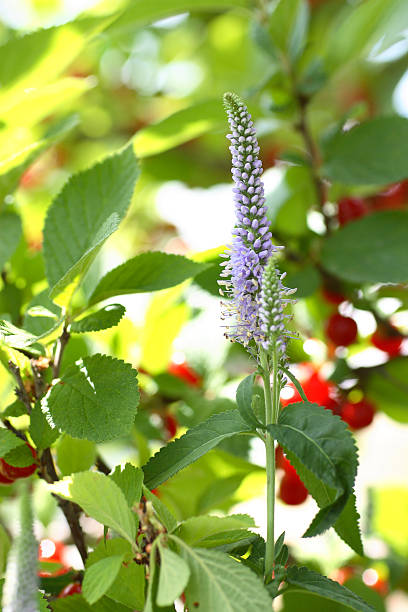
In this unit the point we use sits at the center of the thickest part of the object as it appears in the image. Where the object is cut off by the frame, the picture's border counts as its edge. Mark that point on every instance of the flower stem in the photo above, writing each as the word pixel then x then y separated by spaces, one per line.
pixel 270 418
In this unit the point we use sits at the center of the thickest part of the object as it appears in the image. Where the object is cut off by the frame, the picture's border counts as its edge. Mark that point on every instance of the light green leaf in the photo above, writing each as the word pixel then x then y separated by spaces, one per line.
pixel 4 548
pixel 316 583
pixel 173 578
pixel 244 401
pixel 163 513
pixel 323 453
pixel 78 603
pixel 74 455
pixel 146 272
pixel 81 402
pixel 352 157
pixel 196 442
pixel 101 498
pixel 196 530
pixel 220 584
pixel 99 577
pixel 86 212
pixel 129 479
pixel 42 324
pixel 370 250
pixel 387 386
pixel 17 338
pixel 182 126
pixel 10 234
pixel 42 433
pixel 288 24
pixel 8 441
pixel 106 317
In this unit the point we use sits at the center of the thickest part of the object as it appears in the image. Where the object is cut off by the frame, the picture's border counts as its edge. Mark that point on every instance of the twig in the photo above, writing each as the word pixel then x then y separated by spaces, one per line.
pixel 20 391
pixel 59 351
pixel 39 384
pixel 15 431
pixel 101 465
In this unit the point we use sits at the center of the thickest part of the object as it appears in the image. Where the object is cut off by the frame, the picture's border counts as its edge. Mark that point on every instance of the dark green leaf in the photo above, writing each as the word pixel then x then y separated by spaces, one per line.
pixel 129 479
pixel 106 317
pixel 86 212
pixel 42 433
pixel 244 401
pixel 10 234
pixel 316 583
pixel 20 456
pixel 146 272
pixel 370 250
pixel 81 403
pixel 352 157
pixel 77 603
pixel 192 445
pixel 387 386
pixel 8 441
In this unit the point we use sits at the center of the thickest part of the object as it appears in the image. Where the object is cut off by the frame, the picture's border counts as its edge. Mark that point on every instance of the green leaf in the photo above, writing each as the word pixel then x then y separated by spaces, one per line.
pixel 42 433
pixel 387 386
pixel 78 603
pixel 81 402
pixel 370 250
pixel 316 583
pixel 150 271
pixel 99 577
pixel 163 513
pixel 244 401
pixel 288 24
pixel 196 442
pixel 219 583
pixel 323 453
pixel 10 234
pixel 106 317
pixel 74 455
pixel 352 157
pixel 129 586
pixel 129 479
pixel 173 578
pixel 199 530
pixel 8 441
pixel 19 338
pixel 86 212
pixel 4 548
pixel 101 498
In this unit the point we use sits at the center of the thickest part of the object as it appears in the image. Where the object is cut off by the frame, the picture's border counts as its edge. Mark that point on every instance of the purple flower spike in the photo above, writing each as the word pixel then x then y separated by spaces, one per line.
pixel 251 244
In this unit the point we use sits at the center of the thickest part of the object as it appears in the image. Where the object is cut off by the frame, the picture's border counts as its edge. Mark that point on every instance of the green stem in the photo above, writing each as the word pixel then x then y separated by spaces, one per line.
pixel 270 417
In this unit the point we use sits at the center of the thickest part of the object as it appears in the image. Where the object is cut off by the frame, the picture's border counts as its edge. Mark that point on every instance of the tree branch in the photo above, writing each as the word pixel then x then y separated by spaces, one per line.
pixel 20 391
pixel 59 351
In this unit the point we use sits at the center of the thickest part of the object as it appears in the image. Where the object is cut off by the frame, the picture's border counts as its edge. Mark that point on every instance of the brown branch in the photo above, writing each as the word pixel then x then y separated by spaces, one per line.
pixel 101 465
pixel 21 391
pixel 59 351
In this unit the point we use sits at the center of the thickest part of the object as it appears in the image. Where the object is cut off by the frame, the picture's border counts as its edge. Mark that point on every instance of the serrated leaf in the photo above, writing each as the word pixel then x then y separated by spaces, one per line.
pixel 101 498
pixel 99 577
pixel 244 401
pixel 323 453
pixel 196 442
pixel 370 250
pixel 8 441
pixel 83 216
pixel 196 530
pixel 311 581
pixel 150 271
pixel 220 584
pixel 173 577
pixel 163 513
pixel 129 479
pixel 106 317
pixel 41 432
pixel 74 455
pixel 10 234
pixel 81 403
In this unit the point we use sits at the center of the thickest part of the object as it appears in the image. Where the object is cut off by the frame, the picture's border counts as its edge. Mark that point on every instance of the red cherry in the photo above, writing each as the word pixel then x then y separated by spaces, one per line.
pixel 387 339
pixel 292 491
pixel 333 297
pixel 358 415
pixel 350 209
pixel 381 586
pixel 342 574
pixel 71 589
pixel 11 471
pixel 184 372
pixel 334 405
pixel 53 552
pixel 170 425
pixel 342 331
pixel 4 479
pixel 396 196
pixel 317 390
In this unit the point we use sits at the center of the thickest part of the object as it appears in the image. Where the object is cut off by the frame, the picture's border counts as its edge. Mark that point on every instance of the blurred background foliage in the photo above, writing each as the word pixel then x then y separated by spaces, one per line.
pixel 79 80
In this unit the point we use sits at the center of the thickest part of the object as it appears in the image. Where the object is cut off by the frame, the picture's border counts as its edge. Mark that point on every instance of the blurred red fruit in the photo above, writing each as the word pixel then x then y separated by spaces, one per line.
pixel 170 425
pixel 4 479
pixel 317 390
pixel 342 331
pixel 387 339
pixel 71 589
pixel 333 297
pixel 350 209
pixel 279 458
pixel 343 574
pixel 358 415
pixel 53 552
pixel 184 372
pixel 11 471
pixel 381 586
pixel 292 491
pixel 396 196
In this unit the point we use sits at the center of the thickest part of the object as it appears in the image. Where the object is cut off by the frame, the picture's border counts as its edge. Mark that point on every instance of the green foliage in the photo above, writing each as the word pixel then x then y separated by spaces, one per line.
pixel 10 234
pixel 106 317
pixel 74 455
pixel 288 26
pixel 361 252
pixel 316 583
pixel 174 576
pixel 101 498
pixel 129 479
pixel 244 401
pixel 146 272
pixel 352 157
pixel 8 442
pixel 163 513
pixel 42 315
pixel 386 385
pixel 90 207
pixel 192 445
pixel 100 576
pixel 41 432
pixel 211 531
pixel 90 389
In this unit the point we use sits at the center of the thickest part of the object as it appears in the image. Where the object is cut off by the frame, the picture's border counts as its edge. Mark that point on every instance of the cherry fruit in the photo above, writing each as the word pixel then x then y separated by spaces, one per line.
pixel 292 491
pixel 170 425
pixel 394 197
pixel 358 415
pixel 387 339
pixel 341 330
pixel 184 372
pixel 350 209
pixel 11 471
pixel 71 589
pixel 4 479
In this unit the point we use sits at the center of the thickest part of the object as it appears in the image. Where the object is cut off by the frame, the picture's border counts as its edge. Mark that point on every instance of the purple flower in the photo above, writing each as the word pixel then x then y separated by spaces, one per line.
pixel 251 245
